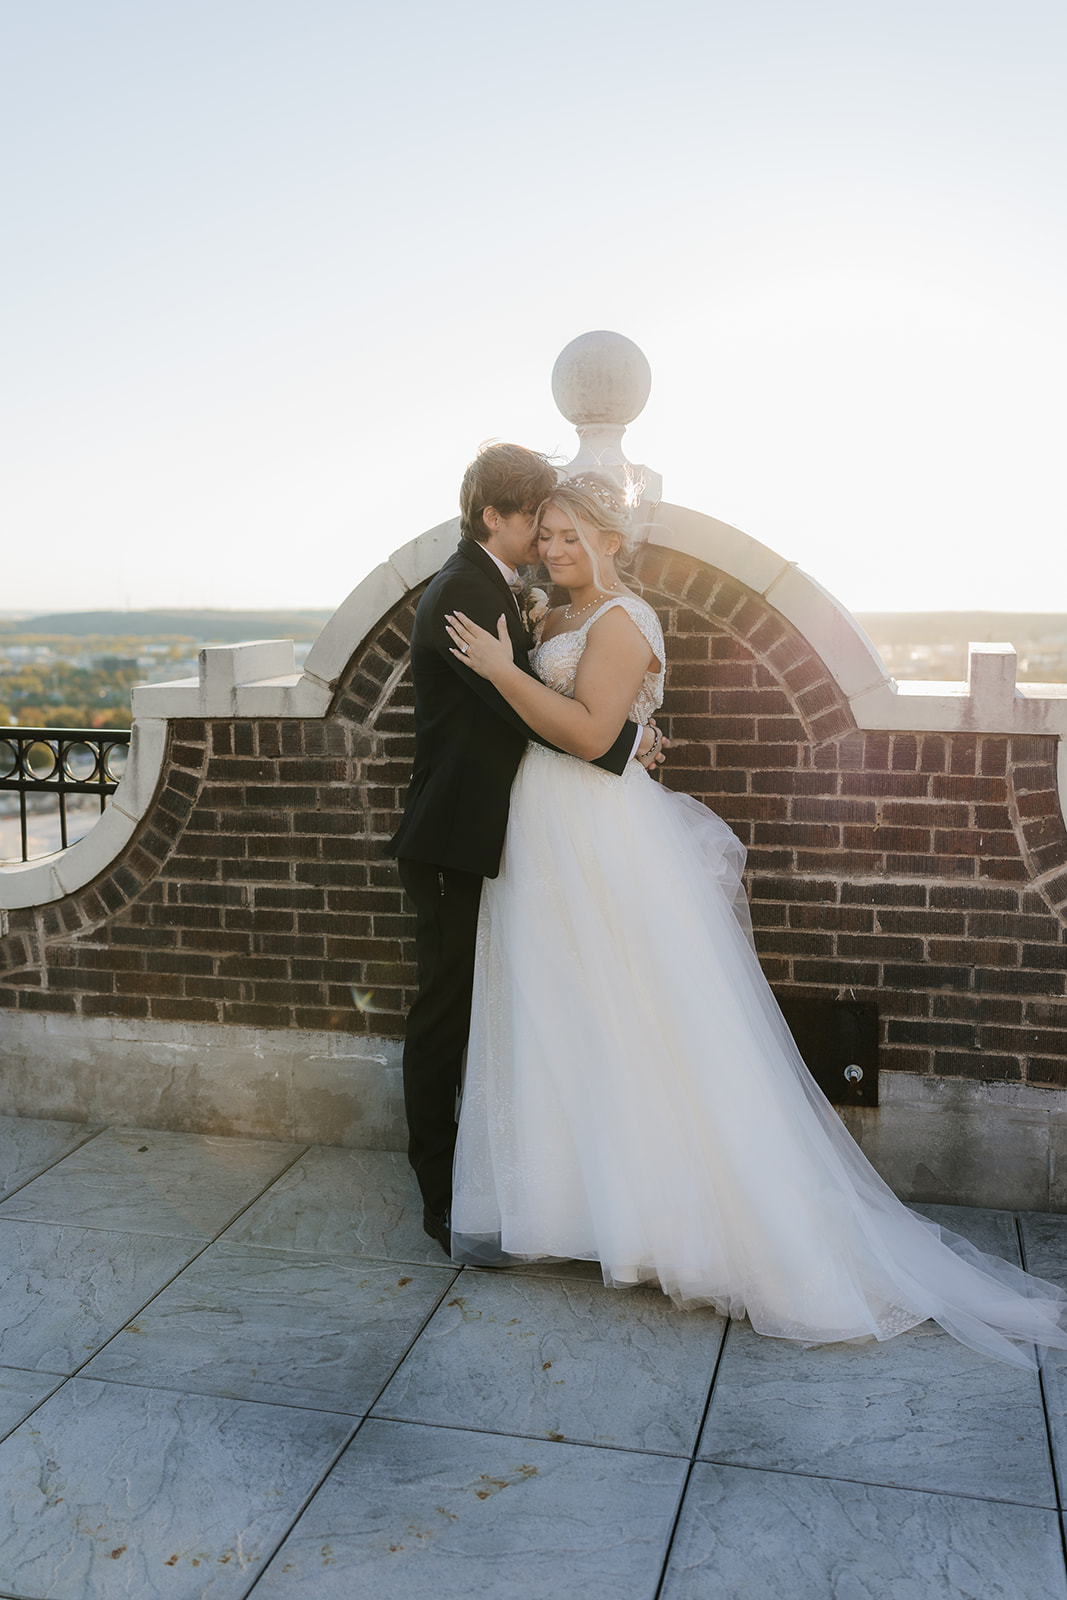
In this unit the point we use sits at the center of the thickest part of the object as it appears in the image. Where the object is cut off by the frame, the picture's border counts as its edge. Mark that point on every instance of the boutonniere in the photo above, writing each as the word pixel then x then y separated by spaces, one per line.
pixel 533 607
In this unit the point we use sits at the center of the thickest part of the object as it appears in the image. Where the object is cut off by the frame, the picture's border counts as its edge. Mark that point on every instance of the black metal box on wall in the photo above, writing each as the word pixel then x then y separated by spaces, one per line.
pixel 839 1042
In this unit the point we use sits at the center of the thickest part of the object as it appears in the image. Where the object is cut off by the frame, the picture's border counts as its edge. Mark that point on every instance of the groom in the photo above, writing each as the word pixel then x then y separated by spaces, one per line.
pixel 468 743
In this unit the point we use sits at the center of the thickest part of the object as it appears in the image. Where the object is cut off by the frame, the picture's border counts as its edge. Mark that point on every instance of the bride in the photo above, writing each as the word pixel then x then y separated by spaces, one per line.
pixel 633 1095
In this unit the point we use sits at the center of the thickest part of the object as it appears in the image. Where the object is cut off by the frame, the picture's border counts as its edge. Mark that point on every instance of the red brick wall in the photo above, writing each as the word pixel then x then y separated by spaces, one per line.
pixel 926 872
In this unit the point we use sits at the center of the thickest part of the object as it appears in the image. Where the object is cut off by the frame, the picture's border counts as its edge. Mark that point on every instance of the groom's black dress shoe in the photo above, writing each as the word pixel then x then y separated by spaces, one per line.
pixel 438 1228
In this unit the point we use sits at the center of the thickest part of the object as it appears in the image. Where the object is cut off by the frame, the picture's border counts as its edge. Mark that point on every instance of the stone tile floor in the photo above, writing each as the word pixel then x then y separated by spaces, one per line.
pixel 234 1367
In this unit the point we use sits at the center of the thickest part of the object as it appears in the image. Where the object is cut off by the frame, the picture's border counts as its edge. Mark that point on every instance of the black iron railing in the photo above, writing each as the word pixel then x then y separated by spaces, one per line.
pixel 61 762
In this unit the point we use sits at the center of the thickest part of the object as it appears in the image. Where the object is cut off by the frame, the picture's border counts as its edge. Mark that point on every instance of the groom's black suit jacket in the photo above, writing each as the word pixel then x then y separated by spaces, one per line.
pixel 468 740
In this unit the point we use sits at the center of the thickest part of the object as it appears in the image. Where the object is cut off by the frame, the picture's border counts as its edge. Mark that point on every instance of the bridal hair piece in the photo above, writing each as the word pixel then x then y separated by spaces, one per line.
pixel 597 502
pixel 601 490
pixel 608 492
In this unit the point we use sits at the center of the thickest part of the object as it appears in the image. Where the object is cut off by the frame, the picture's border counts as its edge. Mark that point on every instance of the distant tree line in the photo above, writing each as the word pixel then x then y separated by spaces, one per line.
pixel 55 693
pixel 204 627
pixel 76 669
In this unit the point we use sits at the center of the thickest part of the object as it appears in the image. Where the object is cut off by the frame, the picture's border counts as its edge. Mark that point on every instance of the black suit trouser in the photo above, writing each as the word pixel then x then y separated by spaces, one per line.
pixel 438 1023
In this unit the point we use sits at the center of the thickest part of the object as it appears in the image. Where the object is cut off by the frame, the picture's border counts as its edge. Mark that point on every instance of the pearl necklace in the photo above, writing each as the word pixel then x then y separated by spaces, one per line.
pixel 572 615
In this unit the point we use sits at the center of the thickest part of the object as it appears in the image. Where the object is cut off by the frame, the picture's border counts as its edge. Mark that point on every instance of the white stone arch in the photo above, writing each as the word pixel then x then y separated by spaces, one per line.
pixel 831 630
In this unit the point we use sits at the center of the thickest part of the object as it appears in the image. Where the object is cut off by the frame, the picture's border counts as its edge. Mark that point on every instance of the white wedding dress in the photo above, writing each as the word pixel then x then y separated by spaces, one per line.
pixel 633 1095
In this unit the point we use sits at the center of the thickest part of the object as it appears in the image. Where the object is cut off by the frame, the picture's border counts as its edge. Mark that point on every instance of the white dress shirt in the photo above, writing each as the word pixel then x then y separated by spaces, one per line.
pixel 510 573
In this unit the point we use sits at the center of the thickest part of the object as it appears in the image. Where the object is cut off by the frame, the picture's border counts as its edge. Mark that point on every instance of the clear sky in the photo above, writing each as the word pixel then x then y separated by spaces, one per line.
pixel 273 269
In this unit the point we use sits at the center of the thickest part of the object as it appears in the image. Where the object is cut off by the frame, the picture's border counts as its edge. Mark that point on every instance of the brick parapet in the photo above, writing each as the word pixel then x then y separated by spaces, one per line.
pixel 926 871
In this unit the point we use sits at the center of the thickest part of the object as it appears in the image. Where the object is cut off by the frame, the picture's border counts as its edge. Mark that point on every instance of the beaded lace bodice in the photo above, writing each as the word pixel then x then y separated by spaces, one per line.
pixel 556 660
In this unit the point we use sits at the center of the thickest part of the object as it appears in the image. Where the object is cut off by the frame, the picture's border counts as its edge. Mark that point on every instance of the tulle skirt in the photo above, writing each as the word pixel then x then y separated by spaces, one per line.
pixel 633 1095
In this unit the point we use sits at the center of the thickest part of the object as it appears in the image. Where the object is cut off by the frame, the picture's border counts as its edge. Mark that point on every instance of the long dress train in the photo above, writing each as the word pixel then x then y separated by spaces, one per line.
pixel 633 1095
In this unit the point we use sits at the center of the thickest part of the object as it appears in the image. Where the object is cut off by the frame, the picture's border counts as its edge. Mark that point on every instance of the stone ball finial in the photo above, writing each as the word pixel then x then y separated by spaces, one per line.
pixel 601 377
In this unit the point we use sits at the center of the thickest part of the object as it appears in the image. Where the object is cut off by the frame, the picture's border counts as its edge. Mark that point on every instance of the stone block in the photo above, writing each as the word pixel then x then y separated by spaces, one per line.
pixel 422 557
pixel 720 545
pixel 224 667
pixel 292 695
pixel 934 707
pixel 148 743
pixel 830 630
pixel 223 670
pixel 957 1141
pixel 205 1078
pixel 353 620
pixel 991 679
pixel 1057 1160
pixel 179 698
pixel 350 1093
pixel 29 883
pixel 94 852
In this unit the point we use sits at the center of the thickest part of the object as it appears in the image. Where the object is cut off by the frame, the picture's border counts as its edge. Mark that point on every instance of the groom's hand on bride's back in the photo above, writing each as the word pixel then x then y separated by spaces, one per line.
pixel 652 747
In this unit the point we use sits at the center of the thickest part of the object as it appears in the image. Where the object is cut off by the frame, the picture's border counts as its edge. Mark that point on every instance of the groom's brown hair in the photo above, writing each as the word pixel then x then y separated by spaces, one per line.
pixel 507 477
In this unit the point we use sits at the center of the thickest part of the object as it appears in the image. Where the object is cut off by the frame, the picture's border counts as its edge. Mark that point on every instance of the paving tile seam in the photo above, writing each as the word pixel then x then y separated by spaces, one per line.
pixel 360 1415
pixel 301 1510
pixel 155 1296
pixel 7 1432
pixel 1057 1485
pixel 534 1438
pixel 89 1137
pixel 33 1372
pixel 37 1222
pixel 137 1313
pixel 210 1394
pixel 269 1551
pixel 325 1258
pixel 331 1257
pixel 196 1394
pixel 88 1227
pixel 684 1489
pixel 874 1483
pixel 413 1341
pixel 525 1273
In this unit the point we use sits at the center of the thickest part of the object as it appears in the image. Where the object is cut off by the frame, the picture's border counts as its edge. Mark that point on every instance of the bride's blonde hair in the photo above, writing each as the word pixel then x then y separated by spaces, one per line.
pixel 595 501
